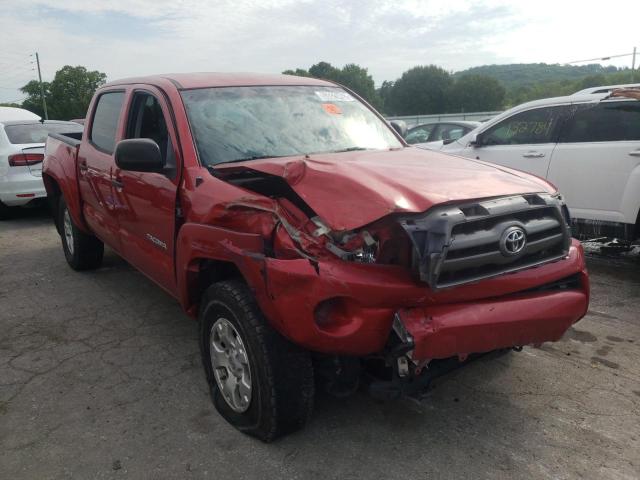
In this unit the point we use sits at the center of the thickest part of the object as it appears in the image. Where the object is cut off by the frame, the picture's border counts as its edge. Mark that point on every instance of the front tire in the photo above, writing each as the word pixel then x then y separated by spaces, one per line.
pixel 260 383
pixel 82 251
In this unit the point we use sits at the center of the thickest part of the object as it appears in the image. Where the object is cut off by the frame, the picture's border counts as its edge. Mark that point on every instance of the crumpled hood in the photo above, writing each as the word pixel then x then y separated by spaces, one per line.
pixel 349 190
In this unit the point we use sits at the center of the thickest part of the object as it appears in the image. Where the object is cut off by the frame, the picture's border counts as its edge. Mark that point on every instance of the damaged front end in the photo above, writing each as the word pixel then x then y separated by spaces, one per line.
pixel 411 294
pixel 294 230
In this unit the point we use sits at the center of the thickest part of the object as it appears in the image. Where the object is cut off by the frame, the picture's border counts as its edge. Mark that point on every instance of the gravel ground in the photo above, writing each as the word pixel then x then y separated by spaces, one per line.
pixel 100 377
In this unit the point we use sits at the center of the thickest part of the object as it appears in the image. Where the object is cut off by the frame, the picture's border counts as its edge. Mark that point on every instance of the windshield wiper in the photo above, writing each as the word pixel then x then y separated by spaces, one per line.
pixel 255 157
pixel 350 149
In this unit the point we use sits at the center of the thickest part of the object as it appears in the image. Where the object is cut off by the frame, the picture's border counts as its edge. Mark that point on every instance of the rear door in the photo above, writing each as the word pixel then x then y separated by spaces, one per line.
pixel 596 164
pixel 147 200
pixel 524 141
pixel 96 164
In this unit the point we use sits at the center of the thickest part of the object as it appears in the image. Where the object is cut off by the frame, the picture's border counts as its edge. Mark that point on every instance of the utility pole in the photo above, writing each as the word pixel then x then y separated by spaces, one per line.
pixel 44 101
pixel 633 66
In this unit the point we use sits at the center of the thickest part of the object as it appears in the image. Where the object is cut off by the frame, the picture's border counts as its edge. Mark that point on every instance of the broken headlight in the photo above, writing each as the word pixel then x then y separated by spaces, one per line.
pixel 350 246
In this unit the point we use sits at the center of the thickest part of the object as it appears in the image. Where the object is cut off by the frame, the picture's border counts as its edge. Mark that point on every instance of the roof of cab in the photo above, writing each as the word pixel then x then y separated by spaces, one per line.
pixel 208 79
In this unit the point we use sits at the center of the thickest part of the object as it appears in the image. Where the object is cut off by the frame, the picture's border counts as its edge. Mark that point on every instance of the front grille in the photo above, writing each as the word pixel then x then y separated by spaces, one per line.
pixel 454 245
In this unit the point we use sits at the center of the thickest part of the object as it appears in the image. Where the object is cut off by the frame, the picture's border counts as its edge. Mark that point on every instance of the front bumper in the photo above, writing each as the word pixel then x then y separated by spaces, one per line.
pixel 348 308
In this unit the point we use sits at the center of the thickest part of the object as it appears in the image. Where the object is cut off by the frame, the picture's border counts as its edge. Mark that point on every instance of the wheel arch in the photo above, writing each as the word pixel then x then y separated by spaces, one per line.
pixel 53 198
pixel 207 254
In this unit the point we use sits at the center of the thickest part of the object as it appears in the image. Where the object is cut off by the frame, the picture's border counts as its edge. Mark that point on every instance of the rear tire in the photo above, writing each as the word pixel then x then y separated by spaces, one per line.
pixel 5 212
pixel 280 393
pixel 82 251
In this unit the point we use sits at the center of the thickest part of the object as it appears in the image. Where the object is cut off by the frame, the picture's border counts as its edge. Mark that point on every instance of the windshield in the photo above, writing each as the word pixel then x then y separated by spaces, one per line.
pixel 237 123
pixel 37 132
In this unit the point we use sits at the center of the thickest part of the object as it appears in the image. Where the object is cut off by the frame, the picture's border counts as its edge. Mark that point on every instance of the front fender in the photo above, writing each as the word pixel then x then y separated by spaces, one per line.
pixel 197 242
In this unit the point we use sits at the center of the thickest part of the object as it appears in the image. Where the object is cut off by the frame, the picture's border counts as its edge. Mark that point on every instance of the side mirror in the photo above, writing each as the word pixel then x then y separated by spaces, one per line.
pixel 399 126
pixel 448 141
pixel 476 140
pixel 139 155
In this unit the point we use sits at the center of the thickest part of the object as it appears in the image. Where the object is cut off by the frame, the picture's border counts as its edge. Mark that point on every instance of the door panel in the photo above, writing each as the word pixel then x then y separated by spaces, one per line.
pixel 146 201
pixel 528 158
pixel 95 165
pixel 524 141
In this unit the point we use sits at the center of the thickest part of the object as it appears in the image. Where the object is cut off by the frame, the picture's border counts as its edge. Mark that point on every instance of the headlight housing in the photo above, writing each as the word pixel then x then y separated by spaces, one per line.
pixel 565 210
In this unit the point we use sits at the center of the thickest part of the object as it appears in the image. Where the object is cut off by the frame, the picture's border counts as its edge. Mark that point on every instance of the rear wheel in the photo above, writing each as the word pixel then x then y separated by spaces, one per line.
pixel 82 251
pixel 5 212
pixel 260 382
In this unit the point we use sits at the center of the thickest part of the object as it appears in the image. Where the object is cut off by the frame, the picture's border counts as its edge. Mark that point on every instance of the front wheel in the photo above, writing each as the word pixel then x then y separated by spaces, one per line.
pixel 82 251
pixel 260 382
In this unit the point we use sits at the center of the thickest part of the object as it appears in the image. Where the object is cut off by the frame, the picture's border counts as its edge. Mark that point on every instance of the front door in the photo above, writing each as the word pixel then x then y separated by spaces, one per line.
pixel 146 201
pixel 524 141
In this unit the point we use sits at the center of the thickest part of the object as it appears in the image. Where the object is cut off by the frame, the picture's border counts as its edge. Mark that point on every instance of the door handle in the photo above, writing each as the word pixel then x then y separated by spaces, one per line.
pixel 533 155
pixel 635 153
pixel 117 183
pixel 82 166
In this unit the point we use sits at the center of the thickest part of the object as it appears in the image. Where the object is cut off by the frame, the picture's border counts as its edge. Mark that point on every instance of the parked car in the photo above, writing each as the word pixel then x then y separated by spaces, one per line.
pixel 8 114
pixel 436 134
pixel 587 145
pixel 296 225
pixel 21 155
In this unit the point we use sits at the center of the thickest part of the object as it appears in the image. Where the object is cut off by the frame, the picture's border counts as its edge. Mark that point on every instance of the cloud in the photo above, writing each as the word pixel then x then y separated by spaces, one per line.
pixel 133 37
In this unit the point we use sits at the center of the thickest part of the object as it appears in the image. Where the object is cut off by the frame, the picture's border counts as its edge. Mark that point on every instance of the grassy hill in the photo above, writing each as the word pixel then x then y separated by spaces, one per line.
pixel 531 81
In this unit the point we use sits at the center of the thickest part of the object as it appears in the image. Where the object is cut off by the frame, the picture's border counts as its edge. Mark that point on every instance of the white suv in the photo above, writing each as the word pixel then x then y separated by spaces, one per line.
pixel 588 145
pixel 21 155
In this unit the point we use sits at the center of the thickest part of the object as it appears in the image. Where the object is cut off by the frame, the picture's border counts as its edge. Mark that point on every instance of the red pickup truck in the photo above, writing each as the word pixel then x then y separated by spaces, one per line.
pixel 310 241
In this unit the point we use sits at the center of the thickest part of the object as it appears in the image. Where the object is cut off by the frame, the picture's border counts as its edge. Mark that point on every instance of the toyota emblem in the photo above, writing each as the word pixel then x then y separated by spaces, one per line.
pixel 513 241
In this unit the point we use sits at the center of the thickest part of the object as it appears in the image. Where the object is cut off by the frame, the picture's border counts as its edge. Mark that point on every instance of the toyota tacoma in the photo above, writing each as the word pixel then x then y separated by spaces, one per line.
pixel 313 245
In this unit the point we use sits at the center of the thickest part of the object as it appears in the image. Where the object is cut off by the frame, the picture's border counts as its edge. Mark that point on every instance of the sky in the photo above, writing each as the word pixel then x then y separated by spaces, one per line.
pixel 137 37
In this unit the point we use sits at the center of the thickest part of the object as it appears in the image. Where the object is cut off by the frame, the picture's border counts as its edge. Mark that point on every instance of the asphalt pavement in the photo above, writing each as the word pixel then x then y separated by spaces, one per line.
pixel 100 377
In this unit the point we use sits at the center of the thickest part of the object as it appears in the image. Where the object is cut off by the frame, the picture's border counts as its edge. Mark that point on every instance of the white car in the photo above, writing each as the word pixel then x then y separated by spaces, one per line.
pixel 21 155
pixel 434 135
pixel 588 145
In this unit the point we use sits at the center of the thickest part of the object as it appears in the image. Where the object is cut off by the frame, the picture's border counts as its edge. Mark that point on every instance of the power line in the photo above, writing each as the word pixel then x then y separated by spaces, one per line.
pixel 601 58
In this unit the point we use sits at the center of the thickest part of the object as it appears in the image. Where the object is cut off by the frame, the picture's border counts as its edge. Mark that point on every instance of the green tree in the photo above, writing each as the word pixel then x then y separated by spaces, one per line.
pixel 68 95
pixel 476 93
pixel 384 94
pixel 299 72
pixel 420 90
pixel 325 71
pixel 33 102
pixel 351 76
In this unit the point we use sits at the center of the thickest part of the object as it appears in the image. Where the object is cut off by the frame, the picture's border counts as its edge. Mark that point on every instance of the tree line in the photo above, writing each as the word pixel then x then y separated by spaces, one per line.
pixel 426 89
pixel 420 90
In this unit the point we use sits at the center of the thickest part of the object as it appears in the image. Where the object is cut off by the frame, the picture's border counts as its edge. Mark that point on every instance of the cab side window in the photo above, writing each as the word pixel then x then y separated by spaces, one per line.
pixel 146 120
pixel 105 121
pixel 531 127
pixel 603 122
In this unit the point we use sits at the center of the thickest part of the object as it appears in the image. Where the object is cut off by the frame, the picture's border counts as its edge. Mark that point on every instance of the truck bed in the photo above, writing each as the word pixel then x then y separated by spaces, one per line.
pixel 73 139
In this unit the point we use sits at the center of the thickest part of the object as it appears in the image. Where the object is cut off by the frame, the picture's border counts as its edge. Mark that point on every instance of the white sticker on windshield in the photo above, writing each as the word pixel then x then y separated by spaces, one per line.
pixel 334 96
